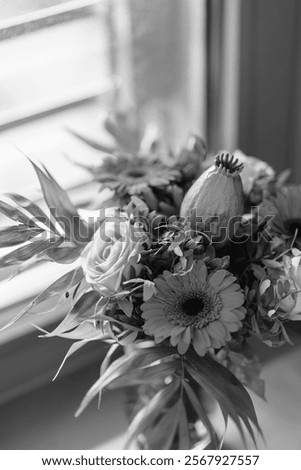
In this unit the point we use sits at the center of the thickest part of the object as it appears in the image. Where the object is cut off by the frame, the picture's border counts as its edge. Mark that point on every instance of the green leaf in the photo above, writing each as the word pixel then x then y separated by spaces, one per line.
pixel 24 253
pixel 247 371
pixel 106 362
pixel 126 306
pixel 54 195
pixel 14 214
pixel 81 311
pixel 148 355
pixel 123 366
pixel 118 367
pixel 127 337
pixel 225 405
pixel 161 435
pixel 17 234
pixel 73 348
pixel 285 335
pixel 57 199
pixel 101 316
pixel 76 347
pixel 201 413
pixel 86 331
pixel 183 430
pixel 24 266
pixel 64 254
pixel 222 385
pixel 63 284
pixel 34 210
pixel 149 413
pixel 150 374
pixel 258 271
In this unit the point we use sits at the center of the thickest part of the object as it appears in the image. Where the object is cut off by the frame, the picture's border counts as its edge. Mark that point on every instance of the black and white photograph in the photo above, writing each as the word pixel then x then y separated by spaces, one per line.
pixel 150 230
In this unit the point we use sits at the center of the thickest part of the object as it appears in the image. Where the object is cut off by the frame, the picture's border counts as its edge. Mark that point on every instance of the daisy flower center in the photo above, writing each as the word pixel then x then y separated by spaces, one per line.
pixel 195 308
pixel 135 173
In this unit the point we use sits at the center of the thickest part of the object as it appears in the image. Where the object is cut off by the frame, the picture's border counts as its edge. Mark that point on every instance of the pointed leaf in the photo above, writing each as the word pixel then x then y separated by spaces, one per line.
pixel 82 310
pixel 220 383
pixel 161 436
pixel 14 213
pixel 57 199
pixel 16 235
pixel 85 331
pixel 147 415
pixel 105 363
pixel 36 247
pixel 78 345
pixel 146 375
pixel 183 430
pixel 247 371
pixel 127 338
pixel 118 322
pixel 122 366
pixel 63 284
pixel 64 254
pixel 118 367
pixel 54 195
pixel 24 266
pixel 33 209
pixel 258 271
pixel 264 285
pixel 201 413
pixel 73 348
pixel 227 408
pixel 96 336
pixel 126 306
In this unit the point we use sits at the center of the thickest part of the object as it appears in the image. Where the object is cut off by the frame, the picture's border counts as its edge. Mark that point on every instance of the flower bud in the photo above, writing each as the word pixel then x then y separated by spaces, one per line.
pixel 215 199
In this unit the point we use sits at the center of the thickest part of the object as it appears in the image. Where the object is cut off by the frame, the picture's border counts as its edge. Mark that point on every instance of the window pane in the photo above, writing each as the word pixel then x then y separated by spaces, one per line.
pixel 164 43
pixel 54 66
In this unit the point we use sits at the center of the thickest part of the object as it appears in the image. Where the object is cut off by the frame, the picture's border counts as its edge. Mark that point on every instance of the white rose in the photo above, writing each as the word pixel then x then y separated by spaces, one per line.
pixel 116 245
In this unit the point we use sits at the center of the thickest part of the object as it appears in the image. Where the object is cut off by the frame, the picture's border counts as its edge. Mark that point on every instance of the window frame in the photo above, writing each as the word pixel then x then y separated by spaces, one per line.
pixel 46 18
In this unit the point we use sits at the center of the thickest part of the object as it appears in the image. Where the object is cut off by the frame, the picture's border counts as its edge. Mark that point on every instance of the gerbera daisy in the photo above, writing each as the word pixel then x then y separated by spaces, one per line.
pixel 131 174
pixel 195 307
pixel 286 210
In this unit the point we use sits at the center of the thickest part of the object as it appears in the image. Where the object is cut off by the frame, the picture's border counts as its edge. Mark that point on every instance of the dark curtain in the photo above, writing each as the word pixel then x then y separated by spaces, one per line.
pixel 270 91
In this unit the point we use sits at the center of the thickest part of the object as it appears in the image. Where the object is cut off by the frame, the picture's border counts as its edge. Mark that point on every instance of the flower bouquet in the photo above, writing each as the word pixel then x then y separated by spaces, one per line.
pixel 189 258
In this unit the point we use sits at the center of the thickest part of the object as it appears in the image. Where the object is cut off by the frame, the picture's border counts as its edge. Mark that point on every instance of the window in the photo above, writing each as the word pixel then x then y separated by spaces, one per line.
pixel 52 54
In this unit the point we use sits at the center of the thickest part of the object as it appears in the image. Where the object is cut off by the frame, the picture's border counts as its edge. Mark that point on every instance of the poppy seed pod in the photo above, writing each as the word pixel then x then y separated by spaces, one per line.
pixel 215 202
